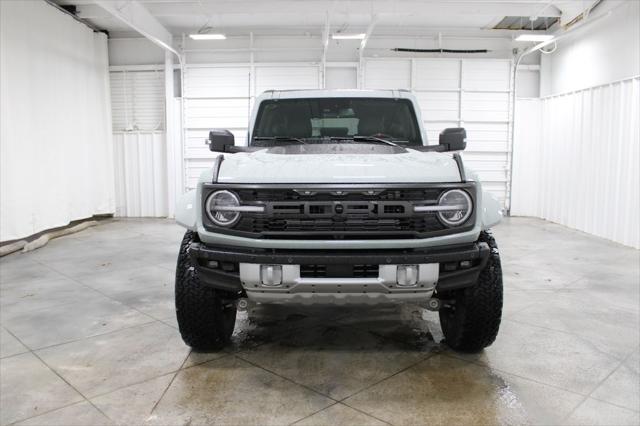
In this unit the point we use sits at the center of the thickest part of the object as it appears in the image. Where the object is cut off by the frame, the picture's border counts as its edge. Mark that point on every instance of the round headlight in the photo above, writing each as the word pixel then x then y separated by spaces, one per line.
pixel 220 206
pixel 456 205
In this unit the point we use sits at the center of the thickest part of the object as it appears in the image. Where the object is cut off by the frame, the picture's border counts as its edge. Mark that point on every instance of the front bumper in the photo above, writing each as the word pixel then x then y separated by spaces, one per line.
pixel 238 271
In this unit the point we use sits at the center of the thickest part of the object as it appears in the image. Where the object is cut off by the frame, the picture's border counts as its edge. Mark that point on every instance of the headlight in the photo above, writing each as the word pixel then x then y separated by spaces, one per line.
pixel 456 207
pixel 222 208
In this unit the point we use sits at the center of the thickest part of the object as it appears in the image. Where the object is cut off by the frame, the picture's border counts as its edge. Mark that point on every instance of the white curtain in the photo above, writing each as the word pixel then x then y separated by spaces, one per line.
pixel 141 174
pixel 584 171
pixel 56 153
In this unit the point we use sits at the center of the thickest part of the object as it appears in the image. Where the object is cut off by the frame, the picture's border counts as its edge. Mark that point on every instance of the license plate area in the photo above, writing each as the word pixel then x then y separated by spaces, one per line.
pixel 339 271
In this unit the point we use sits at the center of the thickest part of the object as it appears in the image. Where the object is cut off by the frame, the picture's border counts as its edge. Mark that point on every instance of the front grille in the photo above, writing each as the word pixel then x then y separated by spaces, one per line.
pixel 375 194
pixel 355 212
pixel 332 227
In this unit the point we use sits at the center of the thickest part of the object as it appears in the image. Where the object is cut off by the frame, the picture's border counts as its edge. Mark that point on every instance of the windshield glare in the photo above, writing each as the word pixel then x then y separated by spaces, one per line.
pixel 321 120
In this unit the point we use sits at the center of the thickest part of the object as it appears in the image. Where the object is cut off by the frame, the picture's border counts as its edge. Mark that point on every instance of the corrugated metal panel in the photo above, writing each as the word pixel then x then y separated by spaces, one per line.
pixel 486 74
pixel 485 113
pixel 588 162
pixel 286 78
pixel 387 74
pixel 436 74
pixel 341 77
pixel 439 106
pixel 215 97
pixel 137 100
pixel 141 174
pixel 220 97
pixel 469 93
pixel 217 82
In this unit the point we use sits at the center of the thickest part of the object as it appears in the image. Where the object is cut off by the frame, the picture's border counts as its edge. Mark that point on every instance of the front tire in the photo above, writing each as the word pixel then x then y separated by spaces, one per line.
pixel 472 321
pixel 206 317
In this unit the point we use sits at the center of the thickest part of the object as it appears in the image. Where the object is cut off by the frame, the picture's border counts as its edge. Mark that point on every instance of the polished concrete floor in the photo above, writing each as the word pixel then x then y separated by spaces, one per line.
pixel 89 337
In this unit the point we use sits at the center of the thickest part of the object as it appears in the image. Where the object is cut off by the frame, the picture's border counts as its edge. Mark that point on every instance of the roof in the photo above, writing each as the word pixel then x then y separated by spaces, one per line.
pixel 335 93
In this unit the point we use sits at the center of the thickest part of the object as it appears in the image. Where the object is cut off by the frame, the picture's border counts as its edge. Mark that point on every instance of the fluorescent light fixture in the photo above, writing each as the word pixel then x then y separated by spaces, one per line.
pixel 543 44
pixel 207 36
pixel 345 36
pixel 534 37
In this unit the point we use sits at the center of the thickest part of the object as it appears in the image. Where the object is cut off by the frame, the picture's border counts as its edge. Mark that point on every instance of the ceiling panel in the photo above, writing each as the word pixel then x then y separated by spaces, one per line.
pixel 398 16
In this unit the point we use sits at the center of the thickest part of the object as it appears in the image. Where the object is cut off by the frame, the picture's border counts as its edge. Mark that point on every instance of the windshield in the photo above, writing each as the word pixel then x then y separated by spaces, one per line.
pixel 335 120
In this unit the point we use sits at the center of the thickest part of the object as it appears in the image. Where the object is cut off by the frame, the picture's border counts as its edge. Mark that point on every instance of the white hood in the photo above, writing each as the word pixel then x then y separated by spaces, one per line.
pixel 337 165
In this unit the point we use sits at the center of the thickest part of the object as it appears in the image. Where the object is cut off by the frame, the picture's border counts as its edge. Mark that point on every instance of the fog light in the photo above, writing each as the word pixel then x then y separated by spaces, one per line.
pixel 465 264
pixel 451 266
pixel 407 275
pixel 213 264
pixel 271 275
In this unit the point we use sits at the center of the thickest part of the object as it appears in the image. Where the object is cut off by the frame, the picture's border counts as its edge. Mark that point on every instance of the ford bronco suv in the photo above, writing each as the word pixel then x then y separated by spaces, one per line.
pixel 337 198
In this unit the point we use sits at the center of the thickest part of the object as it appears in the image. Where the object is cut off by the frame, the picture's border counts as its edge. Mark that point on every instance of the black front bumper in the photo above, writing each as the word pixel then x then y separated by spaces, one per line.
pixel 218 267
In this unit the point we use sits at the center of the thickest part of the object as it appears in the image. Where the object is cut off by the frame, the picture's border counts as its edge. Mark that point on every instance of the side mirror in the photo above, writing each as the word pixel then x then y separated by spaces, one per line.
pixel 453 139
pixel 220 140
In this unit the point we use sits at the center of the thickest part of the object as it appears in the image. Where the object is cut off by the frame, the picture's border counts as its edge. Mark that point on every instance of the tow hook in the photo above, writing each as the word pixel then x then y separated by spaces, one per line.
pixel 434 304
pixel 242 304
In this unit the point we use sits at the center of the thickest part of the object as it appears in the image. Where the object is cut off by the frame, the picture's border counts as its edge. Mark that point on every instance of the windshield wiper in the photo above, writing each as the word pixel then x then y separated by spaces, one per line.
pixel 279 139
pixel 360 138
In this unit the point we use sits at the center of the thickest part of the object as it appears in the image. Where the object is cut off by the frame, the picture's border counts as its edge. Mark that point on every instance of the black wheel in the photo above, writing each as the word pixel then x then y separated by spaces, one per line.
pixel 471 322
pixel 206 316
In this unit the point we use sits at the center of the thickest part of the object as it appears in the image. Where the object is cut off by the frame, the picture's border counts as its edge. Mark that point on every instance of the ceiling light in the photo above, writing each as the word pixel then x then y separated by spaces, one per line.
pixel 207 36
pixel 534 37
pixel 539 46
pixel 345 36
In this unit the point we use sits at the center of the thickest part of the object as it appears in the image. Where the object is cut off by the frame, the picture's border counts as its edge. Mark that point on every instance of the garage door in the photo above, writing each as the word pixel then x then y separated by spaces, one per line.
pixel 222 97
pixel 470 93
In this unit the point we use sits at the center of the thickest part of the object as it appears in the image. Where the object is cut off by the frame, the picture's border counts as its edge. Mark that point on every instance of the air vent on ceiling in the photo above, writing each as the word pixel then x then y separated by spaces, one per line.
pixel 525 23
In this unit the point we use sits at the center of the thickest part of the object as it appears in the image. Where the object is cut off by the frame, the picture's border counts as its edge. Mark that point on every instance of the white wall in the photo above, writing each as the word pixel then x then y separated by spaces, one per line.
pixel 577 153
pixel 139 51
pixel 583 169
pixel 525 188
pixel 607 50
pixel 55 147
pixel 134 51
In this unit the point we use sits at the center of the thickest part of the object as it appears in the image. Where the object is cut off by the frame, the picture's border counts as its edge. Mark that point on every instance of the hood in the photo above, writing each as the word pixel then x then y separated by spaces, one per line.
pixel 338 163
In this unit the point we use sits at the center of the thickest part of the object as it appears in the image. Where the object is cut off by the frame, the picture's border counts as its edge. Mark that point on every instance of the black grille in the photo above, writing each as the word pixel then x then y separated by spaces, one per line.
pixel 328 227
pixel 355 212
pixel 402 194
pixel 338 271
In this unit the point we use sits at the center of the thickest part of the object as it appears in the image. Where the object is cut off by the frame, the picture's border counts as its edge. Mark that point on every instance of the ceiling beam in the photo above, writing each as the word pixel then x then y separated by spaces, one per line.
pixel 138 18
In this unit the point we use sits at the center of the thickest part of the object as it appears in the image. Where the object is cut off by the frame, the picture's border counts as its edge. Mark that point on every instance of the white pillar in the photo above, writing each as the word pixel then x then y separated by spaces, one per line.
pixel 172 137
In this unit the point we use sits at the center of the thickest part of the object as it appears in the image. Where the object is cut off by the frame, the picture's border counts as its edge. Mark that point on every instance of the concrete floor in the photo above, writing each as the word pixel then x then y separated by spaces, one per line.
pixel 89 337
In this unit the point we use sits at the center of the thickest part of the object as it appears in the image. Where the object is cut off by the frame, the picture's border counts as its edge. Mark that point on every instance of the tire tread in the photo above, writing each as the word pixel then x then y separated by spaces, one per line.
pixel 476 322
pixel 203 318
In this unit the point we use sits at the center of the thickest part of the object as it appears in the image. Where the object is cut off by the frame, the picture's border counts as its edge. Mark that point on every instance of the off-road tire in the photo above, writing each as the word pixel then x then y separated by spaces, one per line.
pixel 471 322
pixel 205 316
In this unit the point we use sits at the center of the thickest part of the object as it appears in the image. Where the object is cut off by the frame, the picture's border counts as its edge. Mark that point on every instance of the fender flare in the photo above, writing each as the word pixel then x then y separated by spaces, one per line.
pixel 491 211
pixel 186 212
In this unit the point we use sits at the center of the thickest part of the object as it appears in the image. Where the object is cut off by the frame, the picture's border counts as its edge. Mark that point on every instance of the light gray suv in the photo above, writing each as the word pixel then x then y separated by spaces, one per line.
pixel 338 199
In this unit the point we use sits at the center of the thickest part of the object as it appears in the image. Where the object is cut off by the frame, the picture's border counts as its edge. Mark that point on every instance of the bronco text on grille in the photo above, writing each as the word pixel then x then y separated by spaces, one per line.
pixel 340 212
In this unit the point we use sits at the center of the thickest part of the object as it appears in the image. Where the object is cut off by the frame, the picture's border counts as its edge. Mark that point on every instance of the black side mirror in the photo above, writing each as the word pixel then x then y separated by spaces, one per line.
pixel 220 140
pixel 453 139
